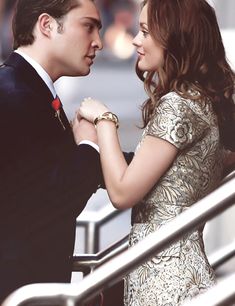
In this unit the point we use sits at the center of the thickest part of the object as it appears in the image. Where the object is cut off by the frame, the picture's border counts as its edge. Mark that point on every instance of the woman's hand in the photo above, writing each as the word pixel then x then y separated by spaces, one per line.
pixel 91 109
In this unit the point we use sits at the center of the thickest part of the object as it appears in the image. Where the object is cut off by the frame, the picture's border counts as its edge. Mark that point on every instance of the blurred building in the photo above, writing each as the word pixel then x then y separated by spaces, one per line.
pixel 6 12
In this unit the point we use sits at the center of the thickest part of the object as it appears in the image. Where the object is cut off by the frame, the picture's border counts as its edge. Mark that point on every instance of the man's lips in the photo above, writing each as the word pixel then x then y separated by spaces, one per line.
pixel 91 58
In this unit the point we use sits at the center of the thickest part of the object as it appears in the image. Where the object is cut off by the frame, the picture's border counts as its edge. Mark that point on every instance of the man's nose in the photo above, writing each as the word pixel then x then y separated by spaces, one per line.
pixel 97 43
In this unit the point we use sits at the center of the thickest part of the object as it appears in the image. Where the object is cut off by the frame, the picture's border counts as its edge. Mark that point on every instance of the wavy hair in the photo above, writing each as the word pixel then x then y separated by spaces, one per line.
pixel 194 58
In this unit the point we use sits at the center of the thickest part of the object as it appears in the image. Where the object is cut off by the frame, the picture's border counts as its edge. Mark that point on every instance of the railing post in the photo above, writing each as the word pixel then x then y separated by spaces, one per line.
pixel 92 238
pixel 70 302
pixel 91 222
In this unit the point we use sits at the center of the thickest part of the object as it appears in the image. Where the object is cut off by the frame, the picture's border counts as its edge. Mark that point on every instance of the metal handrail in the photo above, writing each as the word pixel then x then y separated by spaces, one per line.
pixel 115 269
pixel 222 255
pixel 88 262
pixel 222 294
pixel 92 221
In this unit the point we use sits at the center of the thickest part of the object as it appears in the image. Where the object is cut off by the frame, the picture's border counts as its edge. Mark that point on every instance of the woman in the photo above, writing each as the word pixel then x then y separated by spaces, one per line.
pixel 179 160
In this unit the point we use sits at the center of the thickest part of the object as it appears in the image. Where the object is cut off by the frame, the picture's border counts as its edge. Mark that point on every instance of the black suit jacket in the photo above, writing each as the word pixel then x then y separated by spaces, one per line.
pixel 45 181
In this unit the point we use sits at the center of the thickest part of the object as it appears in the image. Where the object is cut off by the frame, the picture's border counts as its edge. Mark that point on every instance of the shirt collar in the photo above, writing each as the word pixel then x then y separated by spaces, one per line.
pixel 41 72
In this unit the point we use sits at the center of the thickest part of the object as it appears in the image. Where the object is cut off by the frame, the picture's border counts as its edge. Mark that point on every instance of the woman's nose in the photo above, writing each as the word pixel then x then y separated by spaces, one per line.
pixel 136 40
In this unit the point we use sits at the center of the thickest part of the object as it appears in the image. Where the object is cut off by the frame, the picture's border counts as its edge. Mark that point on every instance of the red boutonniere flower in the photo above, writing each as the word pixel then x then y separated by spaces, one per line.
pixel 56 104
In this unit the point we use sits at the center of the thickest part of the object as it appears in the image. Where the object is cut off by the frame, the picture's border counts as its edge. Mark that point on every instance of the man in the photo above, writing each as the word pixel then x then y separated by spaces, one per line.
pixel 45 178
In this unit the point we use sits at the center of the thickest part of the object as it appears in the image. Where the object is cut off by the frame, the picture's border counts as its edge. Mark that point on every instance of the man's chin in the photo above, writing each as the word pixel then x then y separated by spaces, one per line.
pixel 85 71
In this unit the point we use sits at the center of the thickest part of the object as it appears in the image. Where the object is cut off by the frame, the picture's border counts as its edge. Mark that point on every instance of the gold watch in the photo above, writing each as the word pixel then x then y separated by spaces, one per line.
pixel 107 116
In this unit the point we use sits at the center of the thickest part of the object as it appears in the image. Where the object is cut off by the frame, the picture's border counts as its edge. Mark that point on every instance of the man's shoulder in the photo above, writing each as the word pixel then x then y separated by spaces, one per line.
pixel 10 75
pixel 12 85
pixel 6 72
pixel 15 71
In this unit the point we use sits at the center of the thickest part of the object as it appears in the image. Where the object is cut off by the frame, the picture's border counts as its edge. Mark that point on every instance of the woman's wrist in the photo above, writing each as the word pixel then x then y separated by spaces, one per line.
pixel 109 116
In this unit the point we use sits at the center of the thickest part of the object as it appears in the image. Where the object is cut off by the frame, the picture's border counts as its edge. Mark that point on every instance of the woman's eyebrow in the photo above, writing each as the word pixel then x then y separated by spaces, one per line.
pixel 143 25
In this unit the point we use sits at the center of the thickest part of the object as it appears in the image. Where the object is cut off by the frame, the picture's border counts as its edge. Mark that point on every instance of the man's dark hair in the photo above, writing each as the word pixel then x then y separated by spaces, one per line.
pixel 27 13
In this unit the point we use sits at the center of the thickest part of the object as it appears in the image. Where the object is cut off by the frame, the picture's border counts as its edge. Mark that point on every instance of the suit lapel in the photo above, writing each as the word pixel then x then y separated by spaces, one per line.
pixel 35 82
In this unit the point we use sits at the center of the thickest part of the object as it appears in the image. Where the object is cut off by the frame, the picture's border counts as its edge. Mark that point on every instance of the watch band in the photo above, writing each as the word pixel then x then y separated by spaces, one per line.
pixel 107 116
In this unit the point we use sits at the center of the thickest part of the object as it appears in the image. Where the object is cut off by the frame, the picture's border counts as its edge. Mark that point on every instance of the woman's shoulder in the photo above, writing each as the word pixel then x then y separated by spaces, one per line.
pixel 189 97
pixel 193 101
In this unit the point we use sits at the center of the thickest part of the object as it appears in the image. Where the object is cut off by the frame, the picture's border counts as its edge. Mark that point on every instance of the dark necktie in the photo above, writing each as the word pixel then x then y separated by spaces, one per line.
pixel 57 106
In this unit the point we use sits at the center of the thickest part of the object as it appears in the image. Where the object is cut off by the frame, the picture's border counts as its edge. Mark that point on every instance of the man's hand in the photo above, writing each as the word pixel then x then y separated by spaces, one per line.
pixel 84 130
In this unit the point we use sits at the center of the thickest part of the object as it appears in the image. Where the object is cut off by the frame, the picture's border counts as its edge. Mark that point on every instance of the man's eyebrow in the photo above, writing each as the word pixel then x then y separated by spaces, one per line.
pixel 95 21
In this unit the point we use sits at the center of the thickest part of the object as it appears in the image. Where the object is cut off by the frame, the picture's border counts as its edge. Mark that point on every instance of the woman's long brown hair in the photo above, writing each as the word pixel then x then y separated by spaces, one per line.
pixel 194 58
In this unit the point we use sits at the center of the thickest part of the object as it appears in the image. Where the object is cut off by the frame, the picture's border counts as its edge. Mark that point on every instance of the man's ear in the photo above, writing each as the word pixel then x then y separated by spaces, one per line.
pixel 45 24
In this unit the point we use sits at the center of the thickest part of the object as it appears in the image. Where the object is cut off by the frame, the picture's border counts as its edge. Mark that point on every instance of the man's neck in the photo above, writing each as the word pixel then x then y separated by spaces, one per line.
pixel 38 67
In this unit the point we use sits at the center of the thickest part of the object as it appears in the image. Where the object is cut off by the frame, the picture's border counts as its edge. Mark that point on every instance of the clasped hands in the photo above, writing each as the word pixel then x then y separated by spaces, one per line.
pixel 83 123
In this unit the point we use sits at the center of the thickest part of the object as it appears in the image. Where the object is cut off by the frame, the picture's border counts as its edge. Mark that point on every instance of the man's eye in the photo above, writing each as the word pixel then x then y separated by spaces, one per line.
pixel 89 27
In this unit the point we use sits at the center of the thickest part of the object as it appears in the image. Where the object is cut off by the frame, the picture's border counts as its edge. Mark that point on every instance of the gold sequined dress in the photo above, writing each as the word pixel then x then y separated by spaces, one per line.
pixel 182 270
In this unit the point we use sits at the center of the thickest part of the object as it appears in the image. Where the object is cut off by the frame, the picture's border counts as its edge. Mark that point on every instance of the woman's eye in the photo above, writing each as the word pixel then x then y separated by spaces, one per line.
pixel 145 33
